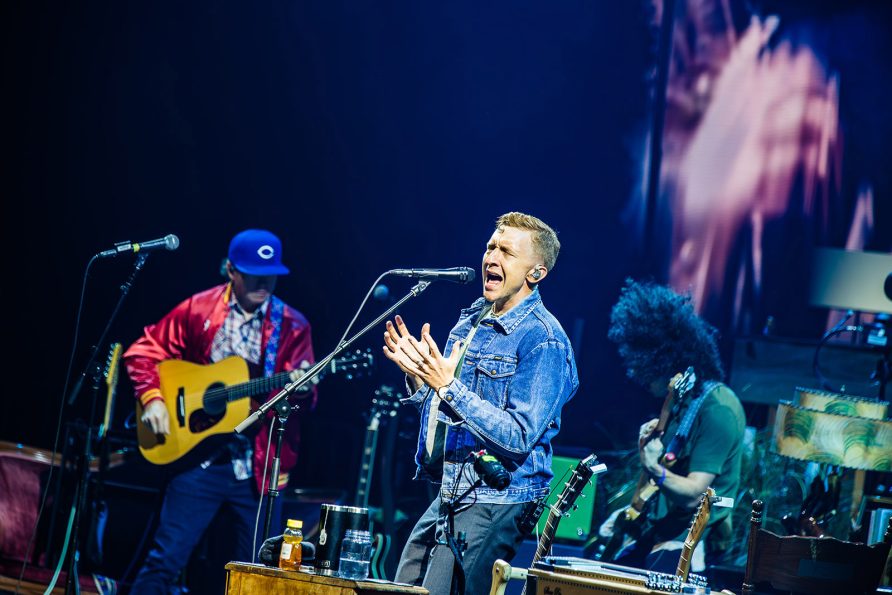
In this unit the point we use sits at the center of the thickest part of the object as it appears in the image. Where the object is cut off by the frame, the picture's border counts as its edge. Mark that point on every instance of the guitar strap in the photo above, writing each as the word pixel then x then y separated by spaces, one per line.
pixel 435 431
pixel 240 450
pixel 684 428
pixel 276 310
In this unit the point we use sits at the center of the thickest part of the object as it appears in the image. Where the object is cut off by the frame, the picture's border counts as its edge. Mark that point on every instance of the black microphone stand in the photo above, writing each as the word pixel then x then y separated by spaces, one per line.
pixel 457 544
pixel 141 258
pixel 289 389
pixel 83 465
pixel 283 410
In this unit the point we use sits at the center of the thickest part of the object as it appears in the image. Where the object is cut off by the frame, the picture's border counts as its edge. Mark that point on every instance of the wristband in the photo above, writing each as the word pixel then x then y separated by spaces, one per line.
pixel 662 478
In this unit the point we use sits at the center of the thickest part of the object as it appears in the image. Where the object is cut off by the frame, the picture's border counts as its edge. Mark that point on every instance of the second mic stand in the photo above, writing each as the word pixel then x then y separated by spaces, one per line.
pixel 293 387
pixel 86 452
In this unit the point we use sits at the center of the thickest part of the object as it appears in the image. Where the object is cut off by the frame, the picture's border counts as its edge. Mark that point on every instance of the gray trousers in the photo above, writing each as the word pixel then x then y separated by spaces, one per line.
pixel 491 533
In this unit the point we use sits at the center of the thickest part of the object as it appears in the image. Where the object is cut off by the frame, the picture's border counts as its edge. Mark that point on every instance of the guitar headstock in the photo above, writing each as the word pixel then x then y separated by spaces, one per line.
pixel 385 402
pixel 580 476
pixel 110 374
pixel 682 384
pixel 112 367
pixel 353 365
pixel 701 518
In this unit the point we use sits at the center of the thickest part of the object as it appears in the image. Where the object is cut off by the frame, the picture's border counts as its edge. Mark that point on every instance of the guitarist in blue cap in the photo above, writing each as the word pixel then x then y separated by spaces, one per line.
pixel 239 318
pixel 697 441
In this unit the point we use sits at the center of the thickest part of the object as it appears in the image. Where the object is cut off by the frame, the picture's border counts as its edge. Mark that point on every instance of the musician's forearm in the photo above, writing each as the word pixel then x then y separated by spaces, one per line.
pixel 683 490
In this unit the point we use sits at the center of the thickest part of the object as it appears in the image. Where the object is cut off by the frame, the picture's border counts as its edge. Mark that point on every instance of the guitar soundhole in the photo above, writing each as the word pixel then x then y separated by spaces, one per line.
pixel 200 421
pixel 214 401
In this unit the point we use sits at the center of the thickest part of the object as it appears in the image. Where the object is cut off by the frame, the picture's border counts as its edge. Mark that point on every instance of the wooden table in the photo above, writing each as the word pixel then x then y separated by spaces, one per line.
pixel 251 579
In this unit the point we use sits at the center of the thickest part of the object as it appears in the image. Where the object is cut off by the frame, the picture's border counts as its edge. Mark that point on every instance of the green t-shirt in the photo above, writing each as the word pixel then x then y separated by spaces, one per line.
pixel 714 445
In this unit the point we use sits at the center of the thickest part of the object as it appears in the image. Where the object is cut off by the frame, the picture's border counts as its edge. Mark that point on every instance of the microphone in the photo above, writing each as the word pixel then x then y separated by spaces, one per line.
pixel 490 470
pixel 168 242
pixel 455 274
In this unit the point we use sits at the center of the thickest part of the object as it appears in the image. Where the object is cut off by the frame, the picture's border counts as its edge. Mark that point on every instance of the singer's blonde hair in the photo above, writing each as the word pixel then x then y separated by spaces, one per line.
pixel 545 240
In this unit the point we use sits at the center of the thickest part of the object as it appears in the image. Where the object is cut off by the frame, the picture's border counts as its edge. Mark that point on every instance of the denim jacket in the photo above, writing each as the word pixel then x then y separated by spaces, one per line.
pixel 517 374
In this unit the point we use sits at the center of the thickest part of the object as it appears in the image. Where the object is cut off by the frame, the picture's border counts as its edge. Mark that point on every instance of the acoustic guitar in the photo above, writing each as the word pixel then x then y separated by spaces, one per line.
pixel 631 524
pixel 581 475
pixel 209 400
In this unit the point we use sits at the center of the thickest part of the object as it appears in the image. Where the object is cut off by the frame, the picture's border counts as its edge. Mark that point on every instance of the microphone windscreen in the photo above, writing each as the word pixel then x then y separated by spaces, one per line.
pixel 381 293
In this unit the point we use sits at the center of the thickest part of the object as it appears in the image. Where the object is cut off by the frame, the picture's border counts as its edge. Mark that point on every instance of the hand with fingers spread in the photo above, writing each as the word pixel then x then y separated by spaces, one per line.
pixel 436 370
pixel 400 348
pixel 420 360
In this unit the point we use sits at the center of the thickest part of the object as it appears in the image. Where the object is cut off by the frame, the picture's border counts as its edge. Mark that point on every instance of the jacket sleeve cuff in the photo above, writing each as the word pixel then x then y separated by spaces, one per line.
pixel 416 398
pixel 153 394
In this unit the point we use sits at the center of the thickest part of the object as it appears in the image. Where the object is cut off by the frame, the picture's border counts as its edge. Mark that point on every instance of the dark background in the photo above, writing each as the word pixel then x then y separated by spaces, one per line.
pixel 368 136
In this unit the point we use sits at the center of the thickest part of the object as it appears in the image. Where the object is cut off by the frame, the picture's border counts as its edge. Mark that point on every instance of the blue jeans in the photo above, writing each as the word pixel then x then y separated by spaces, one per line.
pixel 191 501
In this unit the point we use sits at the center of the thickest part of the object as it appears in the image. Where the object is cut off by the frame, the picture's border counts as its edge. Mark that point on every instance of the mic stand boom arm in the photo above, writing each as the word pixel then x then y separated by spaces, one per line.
pixel 323 363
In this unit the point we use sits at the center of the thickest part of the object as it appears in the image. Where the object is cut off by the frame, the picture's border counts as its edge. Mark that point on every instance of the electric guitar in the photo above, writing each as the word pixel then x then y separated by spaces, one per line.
pixel 630 523
pixel 701 518
pixel 208 400
pixel 111 373
pixel 384 404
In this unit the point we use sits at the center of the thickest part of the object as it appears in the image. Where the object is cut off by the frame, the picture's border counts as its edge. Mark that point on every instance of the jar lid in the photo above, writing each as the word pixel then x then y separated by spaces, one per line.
pixel 294 524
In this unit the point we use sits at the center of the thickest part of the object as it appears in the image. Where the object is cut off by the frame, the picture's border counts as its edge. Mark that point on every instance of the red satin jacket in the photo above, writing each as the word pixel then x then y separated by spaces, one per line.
pixel 187 332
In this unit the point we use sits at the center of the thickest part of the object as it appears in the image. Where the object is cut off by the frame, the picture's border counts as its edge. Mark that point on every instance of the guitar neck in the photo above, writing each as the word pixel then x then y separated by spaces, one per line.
pixel 260 386
pixel 684 562
pixel 547 536
pixel 368 460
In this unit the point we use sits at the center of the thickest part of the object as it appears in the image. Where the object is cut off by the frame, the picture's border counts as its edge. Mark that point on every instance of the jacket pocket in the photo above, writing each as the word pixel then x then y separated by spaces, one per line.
pixel 494 373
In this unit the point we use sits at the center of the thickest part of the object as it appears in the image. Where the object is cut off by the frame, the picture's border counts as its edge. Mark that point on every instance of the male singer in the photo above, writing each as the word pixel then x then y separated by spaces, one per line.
pixel 500 384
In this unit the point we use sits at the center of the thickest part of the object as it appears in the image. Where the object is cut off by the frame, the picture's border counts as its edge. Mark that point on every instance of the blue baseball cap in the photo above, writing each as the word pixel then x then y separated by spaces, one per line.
pixel 257 252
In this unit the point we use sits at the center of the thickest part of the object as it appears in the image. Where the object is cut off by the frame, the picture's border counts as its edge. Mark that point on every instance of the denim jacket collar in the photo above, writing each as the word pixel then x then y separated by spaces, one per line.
pixel 509 321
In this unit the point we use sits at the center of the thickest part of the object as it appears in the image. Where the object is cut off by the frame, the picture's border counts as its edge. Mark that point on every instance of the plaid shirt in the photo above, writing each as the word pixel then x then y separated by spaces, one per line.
pixel 240 335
